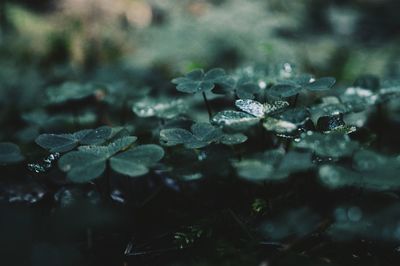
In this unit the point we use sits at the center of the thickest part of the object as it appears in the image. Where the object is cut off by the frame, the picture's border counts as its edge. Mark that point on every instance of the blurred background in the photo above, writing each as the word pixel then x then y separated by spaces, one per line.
pixel 343 38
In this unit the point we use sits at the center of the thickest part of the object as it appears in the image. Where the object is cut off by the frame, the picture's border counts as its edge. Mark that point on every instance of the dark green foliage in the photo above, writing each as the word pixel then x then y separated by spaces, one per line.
pixel 253 177
pixel 10 153
pixel 89 162
pixel 198 81
pixel 67 142
pixel 201 135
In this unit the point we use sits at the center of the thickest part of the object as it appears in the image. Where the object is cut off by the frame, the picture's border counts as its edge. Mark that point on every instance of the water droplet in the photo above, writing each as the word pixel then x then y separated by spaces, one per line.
pixel 262 84
pixel 118 196
pixel 202 156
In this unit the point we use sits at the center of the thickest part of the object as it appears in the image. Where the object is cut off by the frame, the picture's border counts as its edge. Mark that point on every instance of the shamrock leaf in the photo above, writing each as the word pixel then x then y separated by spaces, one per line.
pixel 234 119
pixel 89 162
pixel 333 145
pixel 136 161
pixel 320 84
pixel 258 109
pixel 198 81
pixel 246 89
pixel 10 153
pixel 67 142
pixel 201 135
pixel 284 90
pixel 291 87
pixel 273 165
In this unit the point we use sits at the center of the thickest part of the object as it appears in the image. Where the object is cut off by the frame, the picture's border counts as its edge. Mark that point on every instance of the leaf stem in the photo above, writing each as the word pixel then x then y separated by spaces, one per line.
pixel 295 100
pixel 207 105
pixel 107 184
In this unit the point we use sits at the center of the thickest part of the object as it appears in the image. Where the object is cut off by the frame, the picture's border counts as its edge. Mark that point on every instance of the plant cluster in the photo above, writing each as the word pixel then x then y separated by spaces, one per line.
pixel 261 129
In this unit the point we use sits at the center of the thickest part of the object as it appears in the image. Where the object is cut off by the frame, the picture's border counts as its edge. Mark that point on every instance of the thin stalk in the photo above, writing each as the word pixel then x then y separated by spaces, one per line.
pixel 295 100
pixel 107 184
pixel 241 224
pixel 207 105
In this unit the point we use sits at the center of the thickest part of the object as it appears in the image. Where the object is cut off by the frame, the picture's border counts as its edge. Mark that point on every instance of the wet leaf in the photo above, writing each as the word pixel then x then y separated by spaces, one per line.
pixel 284 90
pixel 234 119
pixel 135 162
pixel 67 142
pixel 245 89
pixel 201 135
pixel 82 167
pixel 233 139
pixel 251 107
pixel 89 162
pixel 198 81
pixel 332 145
pixel 279 126
pixel 320 84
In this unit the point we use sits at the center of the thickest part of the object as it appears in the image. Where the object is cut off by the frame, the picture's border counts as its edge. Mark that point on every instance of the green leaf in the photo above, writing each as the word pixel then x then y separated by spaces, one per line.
pixel 67 142
pixel 201 135
pixel 96 136
pixel 279 126
pixel 254 170
pixel 57 143
pixel 245 89
pixel 234 119
pixel 198 81
pixel 81 166
pixel 333 145
pixel 297 116
pixel 135 162
pixel 251 107
pixel 175 136
pixel 233 139
pixel 10 153
pixel 123 165
pixel 284 90
pixel 321 84
pixel 111 149
pixel 205 132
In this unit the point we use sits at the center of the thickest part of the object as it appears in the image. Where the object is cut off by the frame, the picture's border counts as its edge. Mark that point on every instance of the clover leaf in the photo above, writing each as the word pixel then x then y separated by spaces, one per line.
pixel 201 135
pixel 246 89
pixel 334 145
pixel 67 142
pixel 198 81
pixel 10 153
pixel 234 119
pixel 136 161
pixel 320 84
pixel 284 90
pixel 379 176
pixel 291 87
pixel 273 165
pixel 253 111
pixel 258 109
pixel 89 162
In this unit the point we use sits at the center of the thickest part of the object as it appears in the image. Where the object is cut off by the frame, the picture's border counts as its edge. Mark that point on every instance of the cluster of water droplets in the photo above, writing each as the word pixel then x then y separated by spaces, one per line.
pixel 45 165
